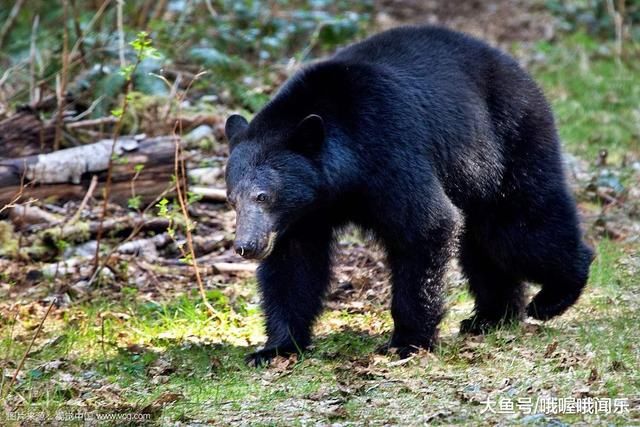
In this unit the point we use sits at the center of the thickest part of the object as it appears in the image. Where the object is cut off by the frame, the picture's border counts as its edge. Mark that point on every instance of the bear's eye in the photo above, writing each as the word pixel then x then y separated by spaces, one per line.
pixel 261 197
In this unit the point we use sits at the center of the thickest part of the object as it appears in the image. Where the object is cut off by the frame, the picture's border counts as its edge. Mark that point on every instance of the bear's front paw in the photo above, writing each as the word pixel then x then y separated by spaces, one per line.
pixel 403 350
pixel 263 357
pixel 476 326
pixel 259 358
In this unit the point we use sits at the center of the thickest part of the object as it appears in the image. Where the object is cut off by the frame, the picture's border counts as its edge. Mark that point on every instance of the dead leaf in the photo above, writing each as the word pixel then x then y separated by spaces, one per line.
pixel 160 367
pixel 167 397
pixel 551 348
pixel 52 366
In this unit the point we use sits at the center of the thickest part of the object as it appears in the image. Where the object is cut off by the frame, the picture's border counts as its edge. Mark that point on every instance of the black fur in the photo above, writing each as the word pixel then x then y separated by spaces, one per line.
pixel 428 138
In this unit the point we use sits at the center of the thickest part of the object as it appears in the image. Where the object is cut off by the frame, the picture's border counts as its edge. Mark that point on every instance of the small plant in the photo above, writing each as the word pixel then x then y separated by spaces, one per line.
pixel 144 49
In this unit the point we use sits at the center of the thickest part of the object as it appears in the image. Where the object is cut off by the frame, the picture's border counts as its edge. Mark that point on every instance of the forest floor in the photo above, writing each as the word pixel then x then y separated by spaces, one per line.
pixel 140 345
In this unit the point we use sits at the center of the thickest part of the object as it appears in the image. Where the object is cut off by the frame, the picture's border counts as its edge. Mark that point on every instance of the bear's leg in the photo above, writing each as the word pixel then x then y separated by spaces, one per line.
pixel 293 281
pixel 563 276
pixel 542 241
pixel 499 295
pixel 537 239
pixel 417 268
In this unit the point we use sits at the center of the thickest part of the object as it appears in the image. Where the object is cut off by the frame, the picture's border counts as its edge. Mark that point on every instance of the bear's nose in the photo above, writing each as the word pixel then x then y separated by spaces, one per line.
pixel 245 249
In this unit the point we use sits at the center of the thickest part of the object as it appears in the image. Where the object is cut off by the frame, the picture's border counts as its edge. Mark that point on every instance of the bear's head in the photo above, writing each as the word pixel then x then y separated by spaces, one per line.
pixel 273 178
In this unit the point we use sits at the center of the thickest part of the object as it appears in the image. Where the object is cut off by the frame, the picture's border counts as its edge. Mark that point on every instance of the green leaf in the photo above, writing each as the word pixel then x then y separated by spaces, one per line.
pixel 134 202
pixel 117 112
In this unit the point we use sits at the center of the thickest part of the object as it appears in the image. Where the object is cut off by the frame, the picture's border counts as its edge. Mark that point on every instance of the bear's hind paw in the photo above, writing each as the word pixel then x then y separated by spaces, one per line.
pixel 476 325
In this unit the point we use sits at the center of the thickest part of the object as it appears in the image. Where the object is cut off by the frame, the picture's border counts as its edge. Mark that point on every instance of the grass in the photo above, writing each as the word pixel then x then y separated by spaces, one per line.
pixel 594 97
pixel 168 359
pixel 154 350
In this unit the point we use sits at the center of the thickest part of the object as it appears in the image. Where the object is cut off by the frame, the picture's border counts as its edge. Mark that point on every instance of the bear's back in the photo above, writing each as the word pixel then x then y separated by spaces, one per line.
pixel 422 98
pixel 420 49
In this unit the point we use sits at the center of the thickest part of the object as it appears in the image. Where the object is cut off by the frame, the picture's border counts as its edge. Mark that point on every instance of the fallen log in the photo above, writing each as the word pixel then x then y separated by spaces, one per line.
pixel 25 215
pixel 83 265
pixel 116 227
pixel 204 245
pixel 234 267
pixel 66 174
pixel 147 248
pixel 210 194
pixel 24 134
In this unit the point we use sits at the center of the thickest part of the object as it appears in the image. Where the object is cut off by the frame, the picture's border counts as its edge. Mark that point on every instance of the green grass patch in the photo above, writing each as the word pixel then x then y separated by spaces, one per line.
pixel 594 95
pixel 129 355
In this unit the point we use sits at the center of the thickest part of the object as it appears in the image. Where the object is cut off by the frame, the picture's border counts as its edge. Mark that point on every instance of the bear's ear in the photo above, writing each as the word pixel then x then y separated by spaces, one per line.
pixel 235 123
pixel 308 136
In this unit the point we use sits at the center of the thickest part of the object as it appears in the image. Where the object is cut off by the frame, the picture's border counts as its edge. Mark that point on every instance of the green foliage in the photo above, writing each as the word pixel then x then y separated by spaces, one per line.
pixel 594 17
pixel 134 202
pixel 167 211
pixel 143 47
pixel 127 71
pixel 61 245
pixel 243 38
pixel 336 31
pixel 193 197
pixel 594 96
pixel 117 112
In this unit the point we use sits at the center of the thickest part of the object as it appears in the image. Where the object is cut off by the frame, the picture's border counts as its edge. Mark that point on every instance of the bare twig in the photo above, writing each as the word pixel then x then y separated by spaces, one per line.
pixel 119 6
pixel 92 122
pixel 89 110
pixel 181 182
pixel 62 77
pixel 32 61
pixel 161 7
pixel 313 41
pixel 181 186
pixel 96 17
pixel 85 200
pixel 177 29
pixel 7 74
pixel 78 30
pixel 618 21
pixel 107 188
pixel 19 194
pixel 212 11
pixel 143 13
pixel 104 351
pixel 11 19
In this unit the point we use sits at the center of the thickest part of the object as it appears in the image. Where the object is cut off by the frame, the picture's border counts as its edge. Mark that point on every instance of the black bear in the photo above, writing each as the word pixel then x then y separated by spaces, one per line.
pixel 434 142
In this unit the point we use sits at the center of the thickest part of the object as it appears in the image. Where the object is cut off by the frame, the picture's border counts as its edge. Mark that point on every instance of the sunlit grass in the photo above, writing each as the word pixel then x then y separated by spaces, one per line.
pixel 594 96
pixel 591 349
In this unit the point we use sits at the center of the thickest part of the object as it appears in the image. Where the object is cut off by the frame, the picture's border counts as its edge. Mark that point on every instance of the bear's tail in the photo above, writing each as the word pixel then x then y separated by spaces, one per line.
pixel 557 296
